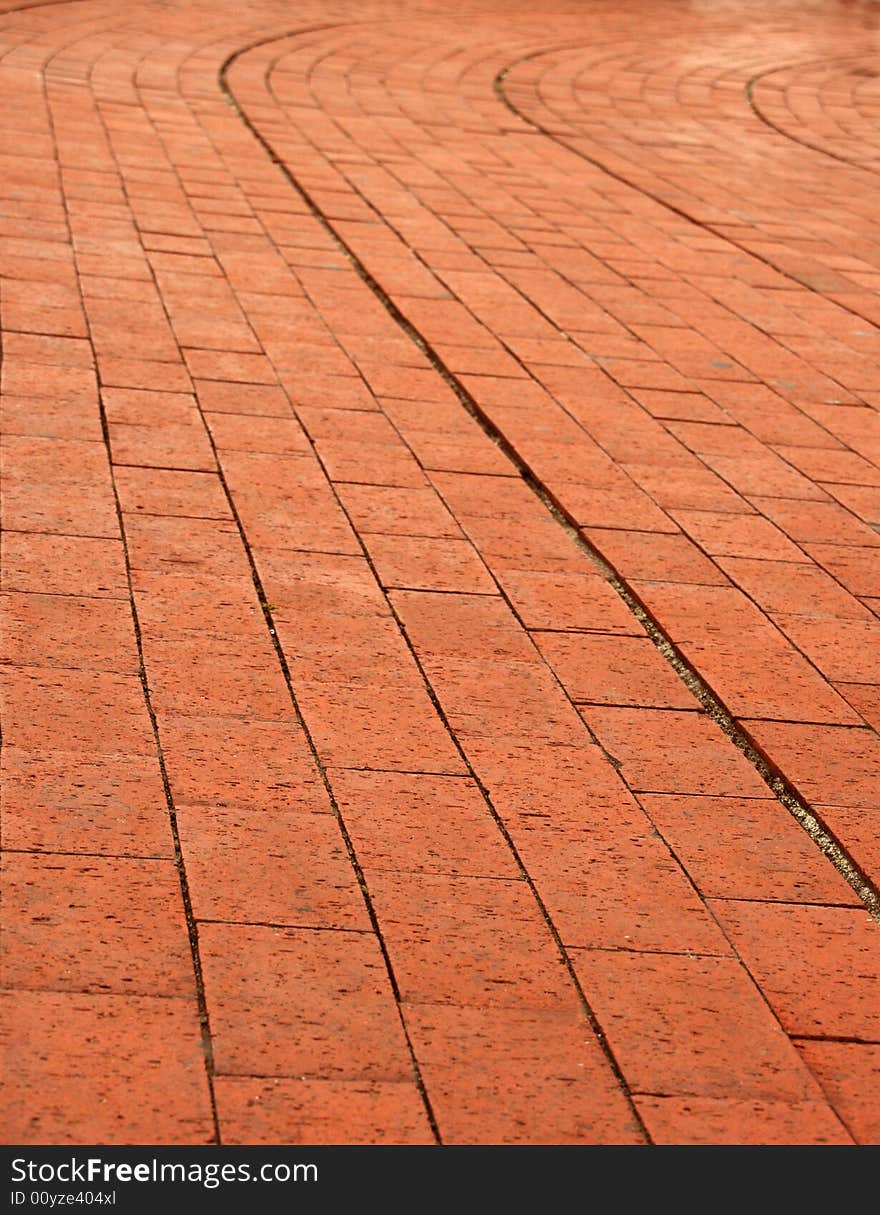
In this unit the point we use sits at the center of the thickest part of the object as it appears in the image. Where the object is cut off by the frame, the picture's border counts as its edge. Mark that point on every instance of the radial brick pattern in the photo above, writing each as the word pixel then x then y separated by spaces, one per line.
pixel 440 572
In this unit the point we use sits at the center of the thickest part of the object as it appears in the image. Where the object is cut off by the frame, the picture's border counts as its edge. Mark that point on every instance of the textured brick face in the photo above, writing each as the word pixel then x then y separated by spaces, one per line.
pixel 439 517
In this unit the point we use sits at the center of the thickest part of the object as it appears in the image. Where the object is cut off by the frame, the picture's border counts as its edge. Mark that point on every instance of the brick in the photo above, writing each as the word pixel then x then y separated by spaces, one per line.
pixel 370 428
pixel 78 509
pixel 252 866
pixel 76 801
pixel 417 823
pixel 708 614
pixel 230 366
pixel 766 415
pixel 397 511
pixel 67 631
pixel 327 390
pixel 195 604
pixel 723 535
pixel 784 687
pixel 845 650
pixel 518 1076
pixel 609 882
pixel 173 547
pixel 258 433
pixel 466 451
pixel 99 712
pixel 862 500
pixel 745 848
pixel 683 406
pixel 824 522
pixel 218 676
pixel 455 625
pixel 382 724
pixel 858 569
pixel 301 1003
pixel 613 670
pixel 67 383
pixel 526 789
pixel 63 565
pixel 654 556
pixel 256 1111
pixel 674 489
pixel 849 1072
pixel 352 461
pixel 824 980
pixel 633 373
pixel 469 941
pixel 57 464
pixel 665 751
pixel 61 1090
pixel 159 491
pixel 408 383
pixel 502 703
pixel 542 548
pixel 821 464
pixel 615 508
pixel 865 699
pixel 566 599
pixel 786 586
pixel 691 1121
pixel 225 762
pixel 116 372
pixel 429 564
pixel 125 915
pixel 49 418
pixel 285 502
pixel 50 351
pixel 729 1045
pixel 474 497
pixel 832 764
pixel 356 643
pixel 319 584
pixel 34 318
pixel 183 446
pixel 254 400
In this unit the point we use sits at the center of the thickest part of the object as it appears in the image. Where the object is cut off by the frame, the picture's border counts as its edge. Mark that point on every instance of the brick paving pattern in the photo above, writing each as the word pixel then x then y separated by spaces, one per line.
pixel 441 572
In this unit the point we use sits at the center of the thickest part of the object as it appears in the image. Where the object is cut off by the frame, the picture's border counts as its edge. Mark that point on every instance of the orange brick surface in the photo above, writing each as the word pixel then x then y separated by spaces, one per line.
pixel 440 585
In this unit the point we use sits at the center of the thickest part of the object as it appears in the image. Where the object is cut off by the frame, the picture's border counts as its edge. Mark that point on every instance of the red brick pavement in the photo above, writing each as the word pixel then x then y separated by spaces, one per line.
pixel 441 514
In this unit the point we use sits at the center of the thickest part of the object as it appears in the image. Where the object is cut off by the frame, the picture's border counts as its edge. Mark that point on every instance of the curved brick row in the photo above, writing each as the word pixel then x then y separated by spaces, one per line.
pixel 831 107
pixel 372 810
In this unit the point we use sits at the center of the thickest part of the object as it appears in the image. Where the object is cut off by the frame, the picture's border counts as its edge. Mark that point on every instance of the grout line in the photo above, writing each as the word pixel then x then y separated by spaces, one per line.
pixel 158 859
pixel 285 926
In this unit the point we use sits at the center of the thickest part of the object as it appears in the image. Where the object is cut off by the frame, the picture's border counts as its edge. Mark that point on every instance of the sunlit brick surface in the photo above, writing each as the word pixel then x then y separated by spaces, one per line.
pixel 440 571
